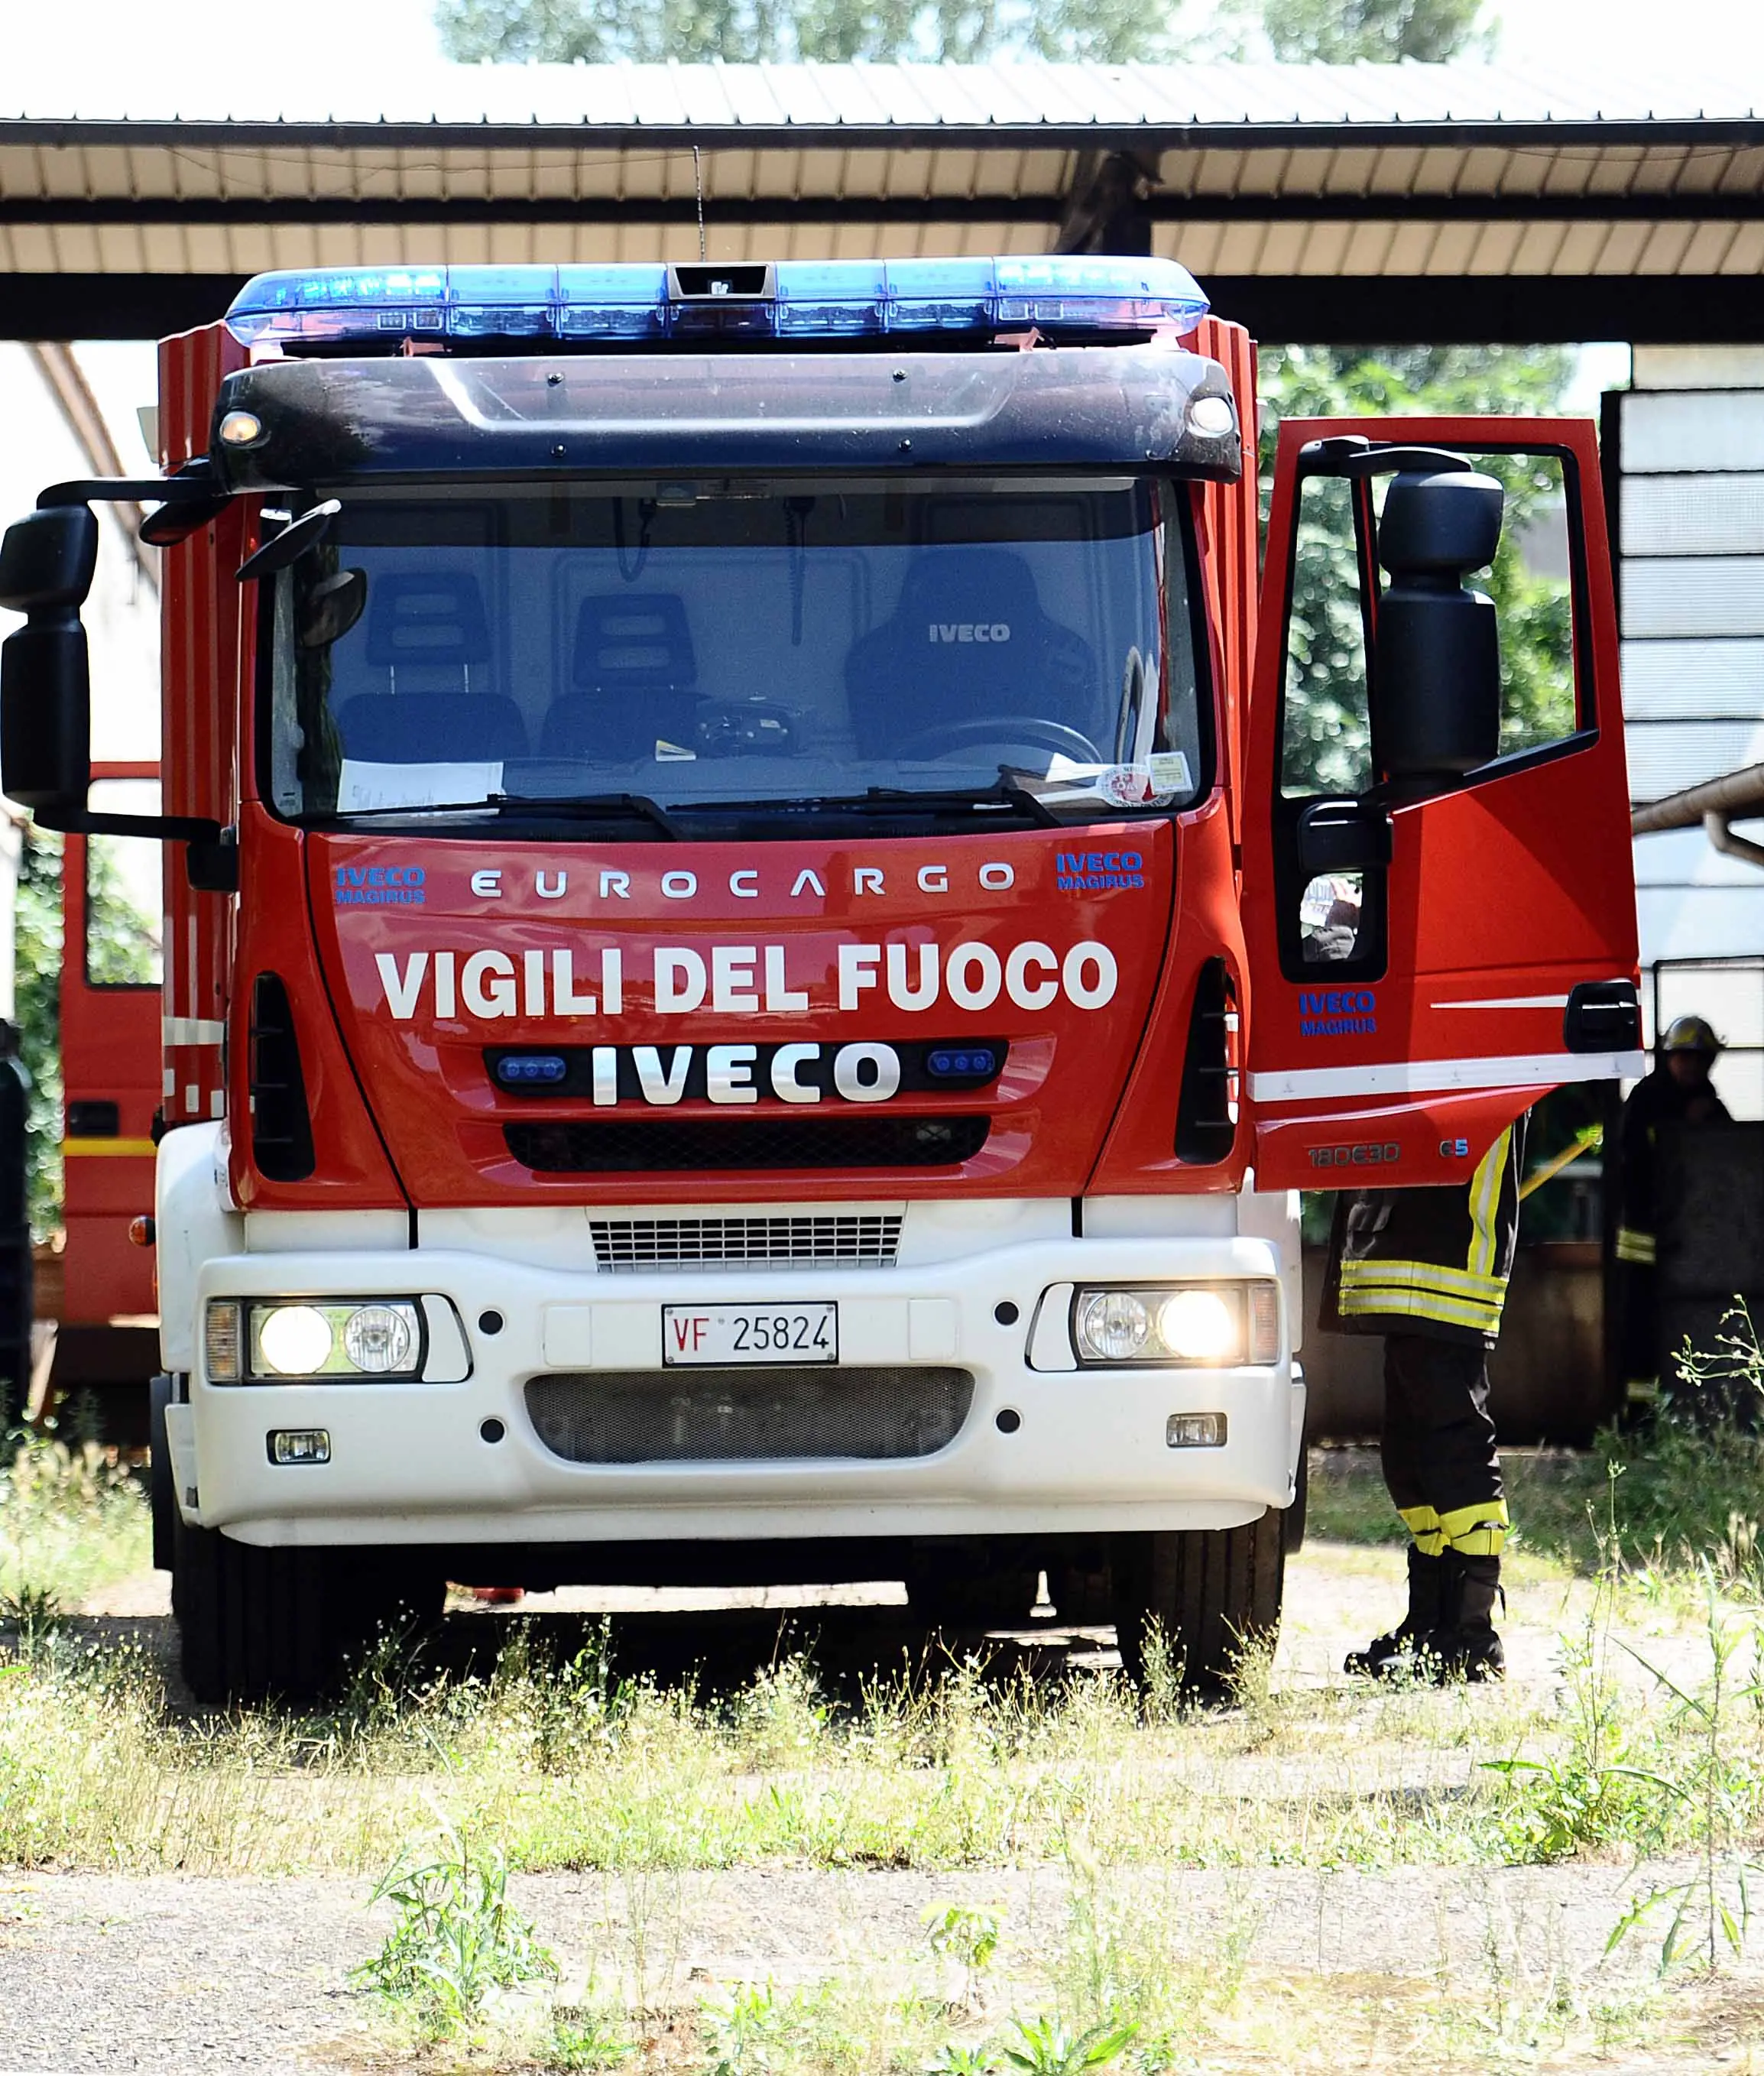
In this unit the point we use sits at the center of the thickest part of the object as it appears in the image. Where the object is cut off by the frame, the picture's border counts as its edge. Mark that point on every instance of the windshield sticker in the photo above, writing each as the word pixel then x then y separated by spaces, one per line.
pixel 361 786
pixel 1151 782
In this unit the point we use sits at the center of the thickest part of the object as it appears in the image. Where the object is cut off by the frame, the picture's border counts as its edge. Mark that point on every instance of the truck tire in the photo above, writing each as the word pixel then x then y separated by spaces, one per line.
pixel 162 1496
pixel 257 1624
pixel 1207 1592
pixel 252 1623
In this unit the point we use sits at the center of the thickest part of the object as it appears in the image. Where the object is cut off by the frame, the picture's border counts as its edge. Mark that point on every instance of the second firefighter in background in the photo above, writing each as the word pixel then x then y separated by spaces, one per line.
pixel 1428 1269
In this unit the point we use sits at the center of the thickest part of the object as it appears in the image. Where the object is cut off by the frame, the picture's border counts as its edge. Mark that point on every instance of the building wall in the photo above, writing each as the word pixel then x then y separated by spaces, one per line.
pixel 1688 441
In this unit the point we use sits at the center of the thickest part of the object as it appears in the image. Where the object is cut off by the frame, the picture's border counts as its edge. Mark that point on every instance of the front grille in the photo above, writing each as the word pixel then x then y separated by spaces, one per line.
pixel 659 1146
pixel 724 1416
pixel 857 1239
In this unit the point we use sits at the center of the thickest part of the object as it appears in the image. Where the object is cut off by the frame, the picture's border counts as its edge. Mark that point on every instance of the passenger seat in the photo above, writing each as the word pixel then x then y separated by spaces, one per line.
pixel 428 632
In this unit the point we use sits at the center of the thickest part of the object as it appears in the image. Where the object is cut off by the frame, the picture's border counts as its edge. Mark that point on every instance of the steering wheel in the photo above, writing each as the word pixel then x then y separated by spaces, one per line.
pixel 1050 735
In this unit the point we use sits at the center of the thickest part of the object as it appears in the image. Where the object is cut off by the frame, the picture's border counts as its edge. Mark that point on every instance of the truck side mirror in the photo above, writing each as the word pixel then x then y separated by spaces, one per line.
pixel 47 562
pixel 1435 688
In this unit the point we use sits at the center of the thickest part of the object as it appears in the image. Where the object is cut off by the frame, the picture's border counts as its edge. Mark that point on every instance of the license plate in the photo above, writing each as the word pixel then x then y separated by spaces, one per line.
pixel 726 1334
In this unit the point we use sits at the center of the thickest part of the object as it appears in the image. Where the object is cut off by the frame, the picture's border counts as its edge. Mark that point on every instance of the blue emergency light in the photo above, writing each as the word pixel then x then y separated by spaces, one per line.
pixel 1058 295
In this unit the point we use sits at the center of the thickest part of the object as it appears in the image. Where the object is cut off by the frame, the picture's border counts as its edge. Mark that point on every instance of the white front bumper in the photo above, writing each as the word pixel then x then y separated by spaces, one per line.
pixel 409 1461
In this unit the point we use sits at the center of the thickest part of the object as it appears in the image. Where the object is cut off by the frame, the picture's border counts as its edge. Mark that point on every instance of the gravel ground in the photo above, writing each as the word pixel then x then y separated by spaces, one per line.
pixel 165 1973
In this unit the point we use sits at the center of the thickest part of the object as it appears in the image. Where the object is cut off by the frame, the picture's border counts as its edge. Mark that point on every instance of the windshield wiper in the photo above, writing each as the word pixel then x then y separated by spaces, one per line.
pixel 898 800
pixel 566 807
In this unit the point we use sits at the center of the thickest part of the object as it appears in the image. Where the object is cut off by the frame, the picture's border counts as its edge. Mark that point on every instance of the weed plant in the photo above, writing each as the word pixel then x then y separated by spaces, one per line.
pixel 71 1520
pixel 458 1939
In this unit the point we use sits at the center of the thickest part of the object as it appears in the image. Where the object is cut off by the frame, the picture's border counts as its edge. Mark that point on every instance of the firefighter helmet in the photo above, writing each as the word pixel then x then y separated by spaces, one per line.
pixel 1690 1034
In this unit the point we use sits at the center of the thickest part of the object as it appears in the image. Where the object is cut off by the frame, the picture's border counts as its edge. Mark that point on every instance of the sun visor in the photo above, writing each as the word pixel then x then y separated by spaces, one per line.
pixel 305 423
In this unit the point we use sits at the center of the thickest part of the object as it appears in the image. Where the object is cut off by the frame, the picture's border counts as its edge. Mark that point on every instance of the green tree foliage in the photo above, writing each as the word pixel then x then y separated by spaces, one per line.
pixel 954 31
pixel 783 31
pixel 37 1011
pixel 1377 32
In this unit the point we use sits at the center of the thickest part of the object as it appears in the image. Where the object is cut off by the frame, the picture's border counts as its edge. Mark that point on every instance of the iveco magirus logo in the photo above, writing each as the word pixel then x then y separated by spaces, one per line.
pixel 970 630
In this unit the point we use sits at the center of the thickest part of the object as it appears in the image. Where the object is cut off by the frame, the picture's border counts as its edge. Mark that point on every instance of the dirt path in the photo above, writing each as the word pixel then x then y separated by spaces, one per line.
pixel 168 1974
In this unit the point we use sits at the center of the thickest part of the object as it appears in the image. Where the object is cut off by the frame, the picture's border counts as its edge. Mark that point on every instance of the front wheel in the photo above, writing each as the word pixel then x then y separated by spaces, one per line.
pixel 257 1624
pixel 1200 1597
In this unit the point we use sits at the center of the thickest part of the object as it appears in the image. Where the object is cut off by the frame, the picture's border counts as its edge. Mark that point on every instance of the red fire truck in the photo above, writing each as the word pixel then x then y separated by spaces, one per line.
pixel 761 932
pixel 102 1299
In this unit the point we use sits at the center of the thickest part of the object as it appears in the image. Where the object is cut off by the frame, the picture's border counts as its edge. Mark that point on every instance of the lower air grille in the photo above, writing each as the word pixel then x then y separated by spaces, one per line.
pixel 853 1239
pixel 725 1416
pixel 654 1146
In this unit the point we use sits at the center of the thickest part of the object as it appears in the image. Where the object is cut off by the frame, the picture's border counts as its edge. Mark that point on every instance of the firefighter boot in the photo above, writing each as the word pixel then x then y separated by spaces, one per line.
pixel 1412 1641
pixel 1465 1646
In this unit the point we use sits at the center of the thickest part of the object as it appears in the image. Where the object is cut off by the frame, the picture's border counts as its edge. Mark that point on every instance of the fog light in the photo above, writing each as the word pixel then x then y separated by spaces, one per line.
pixel 239 429
pixel 294 1340
pixel 220 1340
pixel 1197 1326
pixel 1195 1430
pixel 1113 1324
pixel 300 1445
pixel 378 1338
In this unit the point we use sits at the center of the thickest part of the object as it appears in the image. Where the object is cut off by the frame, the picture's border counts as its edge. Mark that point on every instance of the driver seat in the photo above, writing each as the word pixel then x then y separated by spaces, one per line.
pixel 941 660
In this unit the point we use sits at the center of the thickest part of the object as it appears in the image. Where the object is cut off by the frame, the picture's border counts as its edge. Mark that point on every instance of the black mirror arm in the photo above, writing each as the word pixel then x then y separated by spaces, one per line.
pixel 156 829
pixel 192 489
pixel 1353 455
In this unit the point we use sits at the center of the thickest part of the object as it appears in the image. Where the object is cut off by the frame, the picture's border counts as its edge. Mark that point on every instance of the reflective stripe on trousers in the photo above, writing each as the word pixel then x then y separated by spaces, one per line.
pixel 1477 1530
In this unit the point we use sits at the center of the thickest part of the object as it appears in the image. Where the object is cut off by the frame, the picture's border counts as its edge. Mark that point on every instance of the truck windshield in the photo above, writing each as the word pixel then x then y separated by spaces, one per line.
pixel 761 649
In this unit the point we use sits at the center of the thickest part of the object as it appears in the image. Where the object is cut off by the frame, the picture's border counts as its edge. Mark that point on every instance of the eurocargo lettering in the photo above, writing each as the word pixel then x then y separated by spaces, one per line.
pixel 751 978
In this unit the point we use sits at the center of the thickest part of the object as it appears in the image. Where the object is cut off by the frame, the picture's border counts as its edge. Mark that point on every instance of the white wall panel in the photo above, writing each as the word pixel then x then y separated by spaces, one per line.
pixel 1671 433
pixel 1715 680
pixel 1700 922
pixel 1693 515
pixel 1665 756
pixel 1694 597
pixel 1686 858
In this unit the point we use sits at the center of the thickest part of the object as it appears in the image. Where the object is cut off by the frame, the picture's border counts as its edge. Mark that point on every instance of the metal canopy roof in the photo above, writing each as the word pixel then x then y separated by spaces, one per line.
pixel 1461 201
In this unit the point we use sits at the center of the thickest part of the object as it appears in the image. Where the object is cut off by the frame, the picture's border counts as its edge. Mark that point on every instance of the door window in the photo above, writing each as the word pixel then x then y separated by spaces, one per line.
pixel 1334 921
pixel 124 896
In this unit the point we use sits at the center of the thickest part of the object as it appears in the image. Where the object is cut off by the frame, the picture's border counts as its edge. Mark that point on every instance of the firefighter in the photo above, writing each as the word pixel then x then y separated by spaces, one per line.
pixel 1428 1269
pixel 1677 1092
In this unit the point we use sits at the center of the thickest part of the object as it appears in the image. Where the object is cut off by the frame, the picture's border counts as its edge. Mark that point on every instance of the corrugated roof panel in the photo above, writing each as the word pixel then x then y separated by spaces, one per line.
pixel 1746 255
pixel 1706 250
pixel 1535 248
pixel 1454 249
pixel 521 97
pixel 1581 246
pixel 1663 248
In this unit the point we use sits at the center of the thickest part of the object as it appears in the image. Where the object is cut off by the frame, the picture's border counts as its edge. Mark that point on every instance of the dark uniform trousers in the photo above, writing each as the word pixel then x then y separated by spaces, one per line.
pixel 1428 1269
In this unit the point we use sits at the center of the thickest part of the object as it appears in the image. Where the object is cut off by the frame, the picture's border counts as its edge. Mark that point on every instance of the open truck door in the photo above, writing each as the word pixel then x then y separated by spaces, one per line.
pixel 1439 898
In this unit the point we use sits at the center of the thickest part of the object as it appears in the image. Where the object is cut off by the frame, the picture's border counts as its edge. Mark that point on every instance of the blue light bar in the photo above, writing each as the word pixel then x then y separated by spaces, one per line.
pixel 457 306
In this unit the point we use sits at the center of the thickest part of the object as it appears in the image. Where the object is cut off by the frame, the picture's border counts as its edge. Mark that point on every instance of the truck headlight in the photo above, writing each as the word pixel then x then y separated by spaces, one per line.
pixel 286 1338
pixel 1217 1324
